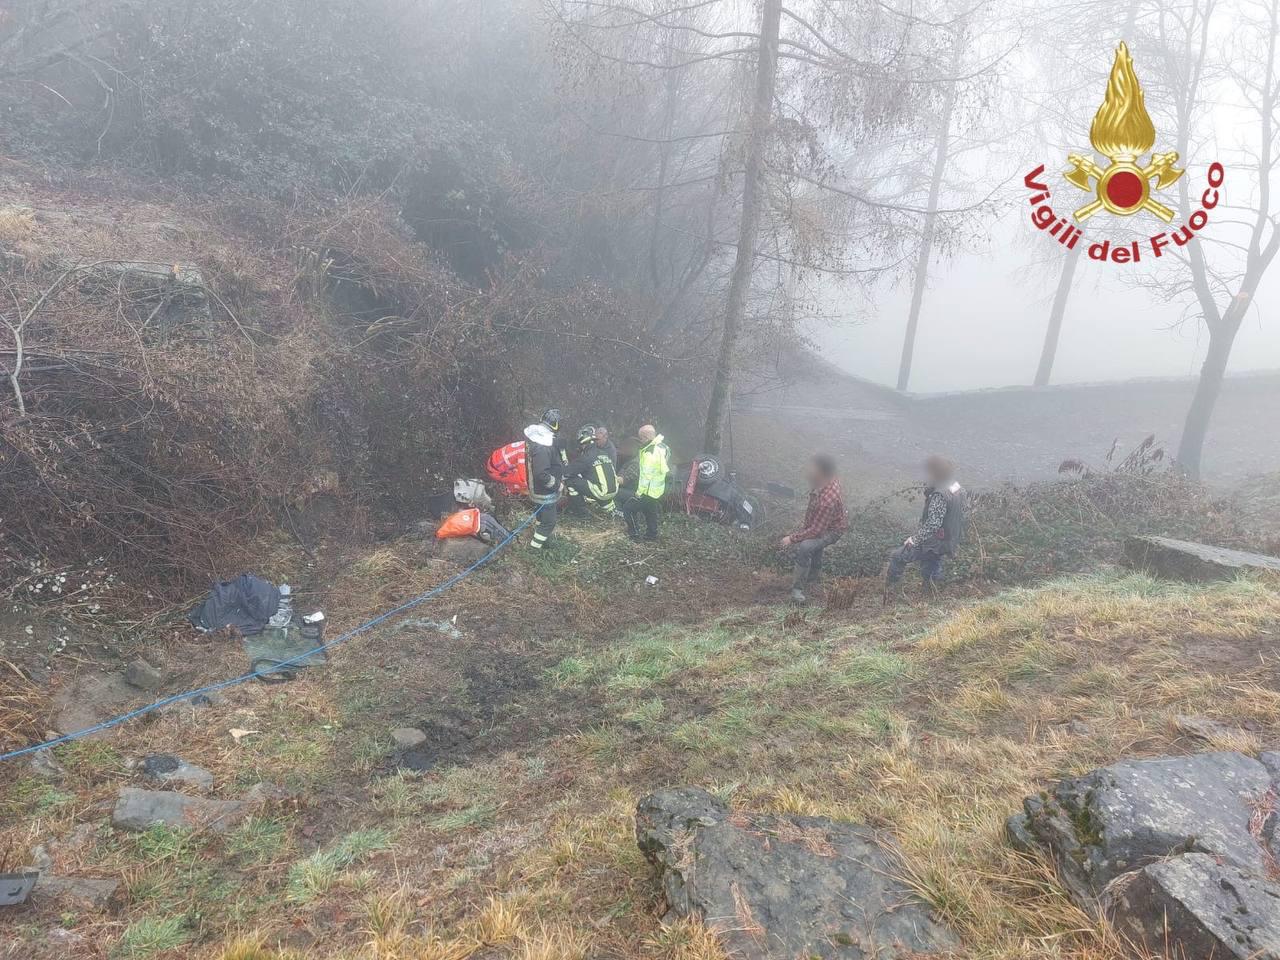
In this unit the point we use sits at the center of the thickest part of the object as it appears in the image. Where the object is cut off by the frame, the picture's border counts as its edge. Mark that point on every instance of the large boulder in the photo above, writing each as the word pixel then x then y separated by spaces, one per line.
pixel 142 809
pixel 1206 908
pixel 1185 560
pixel 1121 817
pixel 1175 850
pixel 785 886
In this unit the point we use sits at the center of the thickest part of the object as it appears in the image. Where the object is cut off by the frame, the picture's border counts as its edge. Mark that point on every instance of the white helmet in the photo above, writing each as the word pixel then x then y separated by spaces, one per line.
pixel 540 434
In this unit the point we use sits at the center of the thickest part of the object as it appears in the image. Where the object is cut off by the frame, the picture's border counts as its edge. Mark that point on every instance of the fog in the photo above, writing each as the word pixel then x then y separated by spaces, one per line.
pixel 984 321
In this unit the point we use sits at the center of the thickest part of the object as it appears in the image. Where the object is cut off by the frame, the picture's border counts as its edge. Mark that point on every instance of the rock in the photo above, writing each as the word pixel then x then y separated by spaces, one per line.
pixel 1185 560
pixel 63 938
pixel 1123 817
pixel 1271 760
pixel 96 893
pixel 144 676
pixel 40 859
pixel 1209 731
pixel 166 768
pixel 784 886
pixel 43 765
pixel 263 795
pixel 463 551
pixel 139 809
pixel 1204 908
pixel 406 738
pixel 1017 830
pixel 1075 728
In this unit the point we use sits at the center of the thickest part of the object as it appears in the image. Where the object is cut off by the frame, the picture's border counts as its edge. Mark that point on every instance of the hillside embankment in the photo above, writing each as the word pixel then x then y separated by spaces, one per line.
pixel 461 782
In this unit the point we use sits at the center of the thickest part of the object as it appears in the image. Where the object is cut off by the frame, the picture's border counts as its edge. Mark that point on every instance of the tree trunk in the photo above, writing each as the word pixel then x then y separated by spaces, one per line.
pixel 1214 369
pixel 940 158
pixel 752 201
pixel 672 91
pixel 1056 314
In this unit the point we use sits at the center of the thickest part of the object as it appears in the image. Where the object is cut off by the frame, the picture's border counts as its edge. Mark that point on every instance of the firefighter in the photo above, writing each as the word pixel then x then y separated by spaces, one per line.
pixel 551 418
pixel 546 474
pixel 590 478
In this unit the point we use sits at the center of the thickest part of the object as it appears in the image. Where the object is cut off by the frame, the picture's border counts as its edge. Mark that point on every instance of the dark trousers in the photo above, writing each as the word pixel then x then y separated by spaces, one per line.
pixel 648 507
pixel 809 559
pixel 581 495
pixel 930 563
pixel 546 525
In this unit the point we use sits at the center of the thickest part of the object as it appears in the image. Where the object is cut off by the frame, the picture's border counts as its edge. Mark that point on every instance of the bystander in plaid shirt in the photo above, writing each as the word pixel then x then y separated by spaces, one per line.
pixel 824 515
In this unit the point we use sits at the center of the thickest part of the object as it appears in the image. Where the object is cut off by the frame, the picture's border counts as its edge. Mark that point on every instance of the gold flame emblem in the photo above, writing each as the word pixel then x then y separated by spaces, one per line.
pixel 1122 131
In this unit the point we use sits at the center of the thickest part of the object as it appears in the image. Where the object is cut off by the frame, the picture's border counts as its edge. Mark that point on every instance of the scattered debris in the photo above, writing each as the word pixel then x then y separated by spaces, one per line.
pixel 785 886
pixel 238 733
pixel 278 653
pixel 1184 560
pixel 140 809
pixel 246 603
pixel 16 887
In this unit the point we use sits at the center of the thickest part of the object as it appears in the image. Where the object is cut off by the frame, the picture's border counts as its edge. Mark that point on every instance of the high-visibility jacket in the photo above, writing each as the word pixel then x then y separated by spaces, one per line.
pixel 596 467
pixel 655 464
pixel 507 467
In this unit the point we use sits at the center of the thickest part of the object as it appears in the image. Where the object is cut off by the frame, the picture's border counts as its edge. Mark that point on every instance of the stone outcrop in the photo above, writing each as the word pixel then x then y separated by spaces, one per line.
pixel 778 886
pixel 1197 562
pixel 1180 852
pixel 141 809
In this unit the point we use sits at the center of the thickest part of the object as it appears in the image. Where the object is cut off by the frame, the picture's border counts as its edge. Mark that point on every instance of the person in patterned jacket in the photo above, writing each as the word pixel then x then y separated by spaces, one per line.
pixel 941 528
pixel 825 521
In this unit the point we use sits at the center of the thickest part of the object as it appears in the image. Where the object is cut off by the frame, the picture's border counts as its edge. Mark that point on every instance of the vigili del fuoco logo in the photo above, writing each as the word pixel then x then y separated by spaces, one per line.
pixel 1123 133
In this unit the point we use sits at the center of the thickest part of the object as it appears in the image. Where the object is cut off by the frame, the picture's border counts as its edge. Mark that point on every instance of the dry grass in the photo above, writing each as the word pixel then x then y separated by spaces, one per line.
pixel 930 722
pixel 24 707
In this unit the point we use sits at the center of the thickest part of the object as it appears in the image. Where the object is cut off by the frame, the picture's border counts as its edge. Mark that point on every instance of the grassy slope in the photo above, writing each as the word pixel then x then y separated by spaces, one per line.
pixel 932 721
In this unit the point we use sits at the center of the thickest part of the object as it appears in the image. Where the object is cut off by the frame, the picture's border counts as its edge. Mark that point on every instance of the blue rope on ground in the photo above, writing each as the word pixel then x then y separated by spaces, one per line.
pixel 292 661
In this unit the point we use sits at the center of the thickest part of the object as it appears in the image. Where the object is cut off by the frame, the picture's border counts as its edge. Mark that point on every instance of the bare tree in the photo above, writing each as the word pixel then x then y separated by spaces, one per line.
pixel 749 227
pixel 941 158
pixel 1219 272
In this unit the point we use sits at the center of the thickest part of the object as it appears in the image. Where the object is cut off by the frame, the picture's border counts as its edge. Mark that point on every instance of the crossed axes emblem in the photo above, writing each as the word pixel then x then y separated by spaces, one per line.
pixel 1123 187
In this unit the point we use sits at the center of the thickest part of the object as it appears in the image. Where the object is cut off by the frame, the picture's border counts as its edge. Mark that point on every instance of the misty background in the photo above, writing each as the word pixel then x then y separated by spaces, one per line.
pixel 986 311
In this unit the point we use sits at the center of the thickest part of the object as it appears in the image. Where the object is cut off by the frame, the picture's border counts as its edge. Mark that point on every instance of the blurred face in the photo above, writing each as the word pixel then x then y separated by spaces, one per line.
pixel 815 476
pixel 602 435
pixel 935 474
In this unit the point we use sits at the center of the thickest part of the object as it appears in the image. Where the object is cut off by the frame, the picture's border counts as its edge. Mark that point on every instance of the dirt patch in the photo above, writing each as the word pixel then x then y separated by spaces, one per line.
pixel 90 698
pixel 1230 655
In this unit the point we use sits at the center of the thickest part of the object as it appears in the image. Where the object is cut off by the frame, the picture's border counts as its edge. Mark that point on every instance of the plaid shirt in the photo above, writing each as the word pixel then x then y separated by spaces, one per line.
pixel 824 515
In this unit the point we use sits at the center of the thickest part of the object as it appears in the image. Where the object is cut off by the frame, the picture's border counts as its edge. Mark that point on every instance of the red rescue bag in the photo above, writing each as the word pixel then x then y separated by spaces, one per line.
pixel 464 523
